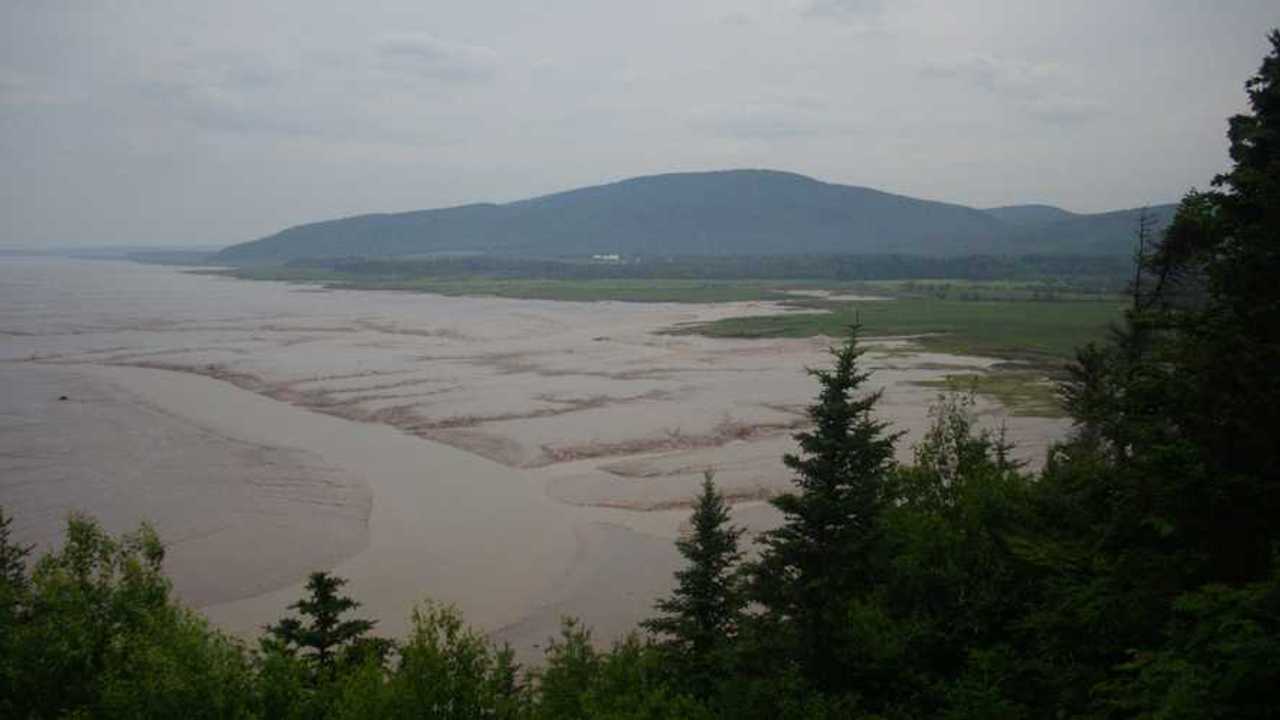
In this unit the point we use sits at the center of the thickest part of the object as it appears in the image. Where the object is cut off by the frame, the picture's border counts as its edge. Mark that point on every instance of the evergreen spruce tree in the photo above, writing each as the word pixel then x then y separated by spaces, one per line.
pixel 1157 518
pixel 327 634
pixel 820 559
pixel 1226 244
pixel 704 610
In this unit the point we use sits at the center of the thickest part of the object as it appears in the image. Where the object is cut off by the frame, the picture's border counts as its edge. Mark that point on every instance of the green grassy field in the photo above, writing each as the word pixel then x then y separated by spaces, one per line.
pixel 1026 392
pixel 1028 330
pixel 1078 288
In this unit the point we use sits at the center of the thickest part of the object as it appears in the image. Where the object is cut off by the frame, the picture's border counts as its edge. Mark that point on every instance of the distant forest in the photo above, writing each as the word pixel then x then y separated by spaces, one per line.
pixel 1136 576
pixel 1113 270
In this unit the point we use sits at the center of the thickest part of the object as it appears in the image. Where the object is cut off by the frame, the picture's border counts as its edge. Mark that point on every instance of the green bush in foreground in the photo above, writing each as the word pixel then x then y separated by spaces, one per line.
pixel 93 632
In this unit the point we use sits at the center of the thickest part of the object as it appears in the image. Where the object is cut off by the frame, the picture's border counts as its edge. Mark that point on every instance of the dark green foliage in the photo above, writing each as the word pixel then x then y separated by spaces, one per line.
pixel 445 670
pixel 451 671
pixel 986 687
pixel 572 665
pixel 286 687
pixel 325 638
pixel 13 561
pixel 813 566
pixel 98 635
pixel 1221 658
pixel 1220 304
pixel 14 601
pixel 630 682
pixel 701 618
pixel 950 582
pixel 175 665
pixel 84 597
pixel 1157 519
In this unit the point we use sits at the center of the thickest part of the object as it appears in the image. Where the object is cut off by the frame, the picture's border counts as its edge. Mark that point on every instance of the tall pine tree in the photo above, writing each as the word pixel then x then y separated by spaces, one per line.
pixel 1157 518
pixel 704 610
pixel 820 559
pixel 327 635
pixel 1226 349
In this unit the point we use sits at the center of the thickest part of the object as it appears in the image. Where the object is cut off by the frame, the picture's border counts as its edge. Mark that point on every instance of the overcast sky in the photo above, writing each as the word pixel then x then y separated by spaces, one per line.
pixel 211 123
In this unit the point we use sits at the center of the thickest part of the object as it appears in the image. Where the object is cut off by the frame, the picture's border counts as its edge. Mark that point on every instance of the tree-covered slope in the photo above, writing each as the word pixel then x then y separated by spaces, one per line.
pixel 1033 215
pixel 735 212
pixel 1108 233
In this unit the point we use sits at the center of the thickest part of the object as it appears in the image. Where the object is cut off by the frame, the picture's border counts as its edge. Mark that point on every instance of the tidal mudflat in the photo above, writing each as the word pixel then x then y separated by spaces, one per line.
pixel 523 459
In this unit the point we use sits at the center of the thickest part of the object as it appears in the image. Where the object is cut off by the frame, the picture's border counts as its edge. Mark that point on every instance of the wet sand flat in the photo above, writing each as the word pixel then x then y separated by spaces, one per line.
pixel 523 459
pixel 238 516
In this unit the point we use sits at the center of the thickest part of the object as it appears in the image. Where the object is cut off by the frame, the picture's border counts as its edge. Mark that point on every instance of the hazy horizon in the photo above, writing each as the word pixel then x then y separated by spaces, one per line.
pixel 209 125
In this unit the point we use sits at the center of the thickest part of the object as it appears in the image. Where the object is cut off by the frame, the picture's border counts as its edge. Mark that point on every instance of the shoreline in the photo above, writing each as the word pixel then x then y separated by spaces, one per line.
pixel 519 459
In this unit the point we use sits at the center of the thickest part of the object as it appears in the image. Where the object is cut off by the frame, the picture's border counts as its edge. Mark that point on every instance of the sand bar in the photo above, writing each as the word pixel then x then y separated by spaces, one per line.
pixel 522 459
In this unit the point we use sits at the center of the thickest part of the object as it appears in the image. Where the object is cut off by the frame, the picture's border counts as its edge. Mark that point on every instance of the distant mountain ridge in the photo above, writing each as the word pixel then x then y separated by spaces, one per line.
pixel 728 212
pixel 1030 215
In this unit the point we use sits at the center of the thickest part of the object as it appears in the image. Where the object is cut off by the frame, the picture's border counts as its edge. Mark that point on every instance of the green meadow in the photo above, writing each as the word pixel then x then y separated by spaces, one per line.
pixel 1038 331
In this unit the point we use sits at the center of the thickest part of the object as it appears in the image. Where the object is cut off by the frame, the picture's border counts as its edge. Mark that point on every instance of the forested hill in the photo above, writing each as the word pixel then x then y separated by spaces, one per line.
pixel 734 212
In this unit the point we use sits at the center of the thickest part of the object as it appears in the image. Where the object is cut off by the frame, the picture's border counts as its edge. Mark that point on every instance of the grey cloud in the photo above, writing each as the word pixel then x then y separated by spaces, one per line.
pixel 1043 90
pixel 1010 77
pixel 1065 110
pixel 332 95
pixel 764 120
pixel 18 89
pixel 232 94
pixel 860 10
pixel 225 109
pixel 433 57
